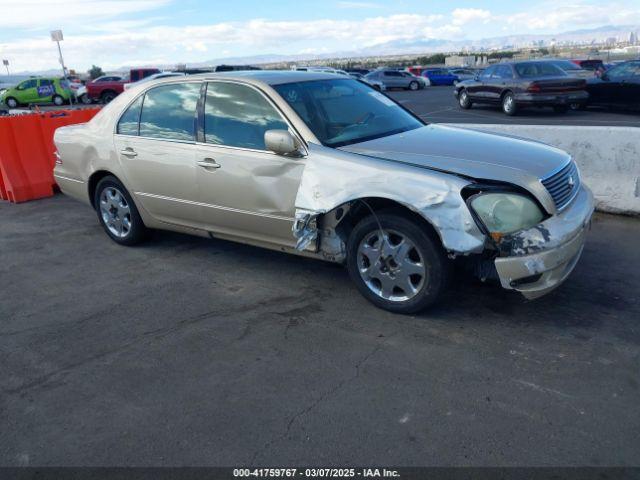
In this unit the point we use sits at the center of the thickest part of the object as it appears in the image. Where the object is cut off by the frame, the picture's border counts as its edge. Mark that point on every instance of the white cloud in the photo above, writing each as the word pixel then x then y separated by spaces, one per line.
pixel 462 16
pixel 165 44
pixel 571 16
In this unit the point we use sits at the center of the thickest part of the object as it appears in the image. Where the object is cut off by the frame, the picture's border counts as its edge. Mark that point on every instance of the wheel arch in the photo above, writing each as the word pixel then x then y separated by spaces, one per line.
pixel 93 181
pixel 360 208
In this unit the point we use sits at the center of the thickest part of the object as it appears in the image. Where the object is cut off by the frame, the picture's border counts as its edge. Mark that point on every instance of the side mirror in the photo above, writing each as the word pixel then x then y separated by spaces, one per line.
pixel 280 142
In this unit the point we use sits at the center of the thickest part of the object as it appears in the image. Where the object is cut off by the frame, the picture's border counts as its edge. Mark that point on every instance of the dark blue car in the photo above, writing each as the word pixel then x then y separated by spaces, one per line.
pixel 440 76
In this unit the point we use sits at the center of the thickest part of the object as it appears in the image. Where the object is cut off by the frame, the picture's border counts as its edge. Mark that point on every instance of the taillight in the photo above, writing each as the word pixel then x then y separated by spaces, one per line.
pixel 533 88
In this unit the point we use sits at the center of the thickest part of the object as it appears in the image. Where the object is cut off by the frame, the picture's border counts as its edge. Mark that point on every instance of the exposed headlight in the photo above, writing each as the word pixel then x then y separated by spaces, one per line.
pixel 503 213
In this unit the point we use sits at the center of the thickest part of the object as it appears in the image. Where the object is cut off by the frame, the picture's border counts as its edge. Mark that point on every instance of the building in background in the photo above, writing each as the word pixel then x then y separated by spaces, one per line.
pixel 465 61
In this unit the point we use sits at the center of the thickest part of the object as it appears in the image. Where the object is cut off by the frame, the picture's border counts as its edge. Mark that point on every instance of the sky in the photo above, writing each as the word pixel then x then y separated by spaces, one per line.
pixel 112 33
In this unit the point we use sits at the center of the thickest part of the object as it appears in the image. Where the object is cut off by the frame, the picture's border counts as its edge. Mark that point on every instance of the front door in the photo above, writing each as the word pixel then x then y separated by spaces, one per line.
pixel 155 141
pixel 28 91
pixel 245 190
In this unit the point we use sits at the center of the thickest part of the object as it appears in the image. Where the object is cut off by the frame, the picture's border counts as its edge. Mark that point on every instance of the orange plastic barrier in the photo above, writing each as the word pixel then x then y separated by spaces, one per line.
pixel 27 152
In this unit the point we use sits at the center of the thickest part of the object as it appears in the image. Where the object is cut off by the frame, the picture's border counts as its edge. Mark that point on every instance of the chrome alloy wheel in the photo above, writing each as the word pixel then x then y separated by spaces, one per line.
pixel 115 212
pixel 391 265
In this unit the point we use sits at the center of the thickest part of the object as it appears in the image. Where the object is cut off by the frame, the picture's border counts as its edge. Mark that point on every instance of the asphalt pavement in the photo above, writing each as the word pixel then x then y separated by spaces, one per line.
pixel 187 351
pixel 438 105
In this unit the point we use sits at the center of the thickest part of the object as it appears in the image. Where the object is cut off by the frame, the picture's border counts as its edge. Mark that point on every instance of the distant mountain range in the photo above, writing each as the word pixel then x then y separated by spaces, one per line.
pixel 419 46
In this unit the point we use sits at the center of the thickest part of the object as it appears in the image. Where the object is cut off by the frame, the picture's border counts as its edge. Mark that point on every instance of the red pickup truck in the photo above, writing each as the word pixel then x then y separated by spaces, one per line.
pixel 107 87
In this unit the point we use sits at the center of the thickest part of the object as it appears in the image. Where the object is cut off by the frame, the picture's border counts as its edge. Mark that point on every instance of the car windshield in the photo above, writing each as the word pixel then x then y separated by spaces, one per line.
pixel 342 112
pixel 538 69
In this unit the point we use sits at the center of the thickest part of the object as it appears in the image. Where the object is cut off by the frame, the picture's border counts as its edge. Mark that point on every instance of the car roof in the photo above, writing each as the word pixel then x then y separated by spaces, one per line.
pixel 269 77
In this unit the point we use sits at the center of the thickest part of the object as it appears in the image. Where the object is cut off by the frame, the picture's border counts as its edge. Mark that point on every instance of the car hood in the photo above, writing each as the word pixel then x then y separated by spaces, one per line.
pixel 471 153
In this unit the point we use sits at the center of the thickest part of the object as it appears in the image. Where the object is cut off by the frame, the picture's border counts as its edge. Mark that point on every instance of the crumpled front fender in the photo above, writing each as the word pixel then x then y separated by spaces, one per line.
pixel 332 178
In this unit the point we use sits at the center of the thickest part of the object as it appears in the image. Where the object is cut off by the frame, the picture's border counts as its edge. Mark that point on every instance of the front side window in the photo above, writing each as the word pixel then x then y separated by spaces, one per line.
pixel 169 112
pixel 238 116
pixel 342 112
pixel 129 123
pixel 28 84
pixel 487 72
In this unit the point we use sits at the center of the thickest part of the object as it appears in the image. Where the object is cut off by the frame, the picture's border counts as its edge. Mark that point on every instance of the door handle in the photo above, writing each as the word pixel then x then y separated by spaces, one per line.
pixel 208 163
pixel 128 152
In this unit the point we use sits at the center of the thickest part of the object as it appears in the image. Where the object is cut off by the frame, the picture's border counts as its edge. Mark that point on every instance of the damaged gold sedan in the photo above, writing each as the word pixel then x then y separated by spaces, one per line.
pixel 328 167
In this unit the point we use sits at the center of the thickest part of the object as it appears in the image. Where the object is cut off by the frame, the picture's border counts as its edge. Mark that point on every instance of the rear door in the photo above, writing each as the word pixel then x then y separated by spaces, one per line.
pixel 155 141
pixel 46 89
pixel 393 79
pixel 501 80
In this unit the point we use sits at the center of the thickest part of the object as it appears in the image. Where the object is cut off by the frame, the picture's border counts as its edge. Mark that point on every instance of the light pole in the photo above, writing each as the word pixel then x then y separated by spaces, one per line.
pixel 6 65
pixel 56 36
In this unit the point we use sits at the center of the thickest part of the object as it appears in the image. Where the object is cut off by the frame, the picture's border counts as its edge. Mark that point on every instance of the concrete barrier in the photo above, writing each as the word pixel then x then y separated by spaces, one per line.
pixel 608 157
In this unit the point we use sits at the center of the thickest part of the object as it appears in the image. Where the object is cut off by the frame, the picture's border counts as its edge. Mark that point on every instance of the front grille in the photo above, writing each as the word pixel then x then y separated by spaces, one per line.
pixel 563 185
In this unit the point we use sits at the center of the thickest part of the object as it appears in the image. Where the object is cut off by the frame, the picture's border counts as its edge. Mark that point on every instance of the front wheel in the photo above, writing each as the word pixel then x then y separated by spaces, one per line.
pixel 395 263
pixel 84 98
pixel 117 213
pixel 414 86
pixel 509 104
pixel 463 100
pixel 106 97
pixel 12 102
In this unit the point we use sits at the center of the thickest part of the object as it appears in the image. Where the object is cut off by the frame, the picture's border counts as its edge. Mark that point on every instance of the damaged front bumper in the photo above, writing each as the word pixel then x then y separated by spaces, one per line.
pixel 537 260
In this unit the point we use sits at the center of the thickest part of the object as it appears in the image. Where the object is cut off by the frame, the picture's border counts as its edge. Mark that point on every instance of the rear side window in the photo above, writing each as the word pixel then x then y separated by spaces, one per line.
pixel 538 69
pixel 169 112
pixel 238 116
pixel 129 123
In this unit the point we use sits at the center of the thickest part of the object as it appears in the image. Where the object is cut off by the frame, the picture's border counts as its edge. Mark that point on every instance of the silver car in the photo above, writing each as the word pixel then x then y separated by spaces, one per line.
pixel 396 79
pixel 330 168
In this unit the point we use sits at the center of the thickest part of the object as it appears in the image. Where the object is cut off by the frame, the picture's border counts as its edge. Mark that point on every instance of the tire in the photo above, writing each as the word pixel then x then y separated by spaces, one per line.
pixel 377 87
pixel 12 102
pixel 57 100
pixel 561 108
pixel 509 106
pixel 414 86
pixel 420 265
pixel 107 96
pixel 84 98
pixel 463 100
pixel 117 213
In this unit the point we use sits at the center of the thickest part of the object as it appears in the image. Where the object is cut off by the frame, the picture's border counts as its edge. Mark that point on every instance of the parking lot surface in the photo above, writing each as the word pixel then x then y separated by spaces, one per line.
pixel 438 105
pixel 187 351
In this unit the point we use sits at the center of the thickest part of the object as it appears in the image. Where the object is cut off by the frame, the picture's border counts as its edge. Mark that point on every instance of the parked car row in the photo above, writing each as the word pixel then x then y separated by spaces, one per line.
pixel 517 85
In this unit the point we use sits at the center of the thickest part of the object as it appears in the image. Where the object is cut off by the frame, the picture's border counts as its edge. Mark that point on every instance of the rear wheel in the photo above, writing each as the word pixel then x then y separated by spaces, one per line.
pixel 107 96
pixel 57 100
pixel 117 213
pixel 463 99
pixel 12 102
pixel 396 264
pixel 509 104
